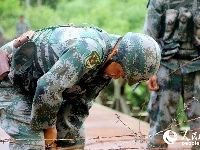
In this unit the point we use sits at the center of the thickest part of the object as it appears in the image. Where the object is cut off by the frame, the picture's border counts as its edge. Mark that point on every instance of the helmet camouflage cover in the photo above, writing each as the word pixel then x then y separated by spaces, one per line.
pixel 139 56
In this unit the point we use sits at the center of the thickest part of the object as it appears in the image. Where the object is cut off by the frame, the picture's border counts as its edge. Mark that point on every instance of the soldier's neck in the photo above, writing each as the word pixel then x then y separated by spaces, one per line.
pixel 114 51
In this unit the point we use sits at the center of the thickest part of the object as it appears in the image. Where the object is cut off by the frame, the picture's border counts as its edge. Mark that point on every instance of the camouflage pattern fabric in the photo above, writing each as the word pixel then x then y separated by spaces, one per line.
pixel 15 117
pixel 185 82
pixel 61 74
pixel 164 103
pixel 134 55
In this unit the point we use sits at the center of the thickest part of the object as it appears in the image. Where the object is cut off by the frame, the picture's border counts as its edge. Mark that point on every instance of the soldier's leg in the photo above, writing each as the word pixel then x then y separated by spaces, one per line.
pixel 162 106
pixel 70 123
pixel 192 105
pixel 15 120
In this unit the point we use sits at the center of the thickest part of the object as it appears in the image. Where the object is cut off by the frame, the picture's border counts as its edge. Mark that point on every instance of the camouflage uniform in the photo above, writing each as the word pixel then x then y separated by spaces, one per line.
pixel 57 75
pixel 178 48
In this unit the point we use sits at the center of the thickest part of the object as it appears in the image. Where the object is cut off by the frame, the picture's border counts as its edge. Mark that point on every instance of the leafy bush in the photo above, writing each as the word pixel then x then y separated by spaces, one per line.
pixel 114 16
pixel 43 16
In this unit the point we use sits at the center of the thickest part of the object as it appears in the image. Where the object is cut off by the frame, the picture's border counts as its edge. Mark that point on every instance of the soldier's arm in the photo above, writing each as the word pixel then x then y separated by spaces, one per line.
pixel 4 65
pixel 152 27
pixel 17 29
pixel 5 53
pixel 65 73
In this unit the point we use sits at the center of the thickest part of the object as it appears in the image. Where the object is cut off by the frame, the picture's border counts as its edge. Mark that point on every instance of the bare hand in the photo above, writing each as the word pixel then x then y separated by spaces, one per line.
pixel 50 136
pixel 23 38
pixel 152 83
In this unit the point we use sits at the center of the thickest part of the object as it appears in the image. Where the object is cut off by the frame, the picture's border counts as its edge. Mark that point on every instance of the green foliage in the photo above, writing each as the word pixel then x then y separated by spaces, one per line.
pixel 138 97
pixel 43 16
pixel 49 3
pixel 8 11
pixel 181 114
pixel 115 16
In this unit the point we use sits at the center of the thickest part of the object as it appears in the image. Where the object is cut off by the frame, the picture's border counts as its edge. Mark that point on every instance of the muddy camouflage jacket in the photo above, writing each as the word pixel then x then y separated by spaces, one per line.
pixel 67 62
pixel 176 31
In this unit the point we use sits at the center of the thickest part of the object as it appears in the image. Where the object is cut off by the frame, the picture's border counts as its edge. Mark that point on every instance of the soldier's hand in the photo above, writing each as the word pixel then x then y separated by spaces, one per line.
pixel 152 83
pixel 23 38
pixel 50 136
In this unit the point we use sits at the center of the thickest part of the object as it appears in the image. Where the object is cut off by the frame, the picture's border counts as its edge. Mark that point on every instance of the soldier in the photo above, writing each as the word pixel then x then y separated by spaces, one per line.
pixel 22 26
pixel 58 72
pixel 174 24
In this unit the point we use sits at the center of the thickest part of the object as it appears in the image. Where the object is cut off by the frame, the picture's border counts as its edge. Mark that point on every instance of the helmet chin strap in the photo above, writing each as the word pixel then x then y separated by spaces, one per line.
pixel 112 57
pixel 106 65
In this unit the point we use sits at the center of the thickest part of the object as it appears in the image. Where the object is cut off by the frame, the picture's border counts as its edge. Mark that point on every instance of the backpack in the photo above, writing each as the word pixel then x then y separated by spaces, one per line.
pixel 180 25
pixel 21 66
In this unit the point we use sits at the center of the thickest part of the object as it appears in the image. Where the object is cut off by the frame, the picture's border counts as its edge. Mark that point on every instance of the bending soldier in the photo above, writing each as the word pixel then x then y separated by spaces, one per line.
pixel 55 76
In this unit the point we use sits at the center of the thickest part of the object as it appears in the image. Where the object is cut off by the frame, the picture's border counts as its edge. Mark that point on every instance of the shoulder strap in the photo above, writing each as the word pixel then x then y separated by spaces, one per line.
pixel 184 3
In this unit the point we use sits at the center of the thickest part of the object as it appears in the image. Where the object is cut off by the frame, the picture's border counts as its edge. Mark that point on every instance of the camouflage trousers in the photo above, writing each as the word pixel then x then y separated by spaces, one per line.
pixel 164 104
pixel 15 116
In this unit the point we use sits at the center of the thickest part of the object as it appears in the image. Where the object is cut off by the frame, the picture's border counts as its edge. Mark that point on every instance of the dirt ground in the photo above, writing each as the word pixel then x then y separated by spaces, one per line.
pixel 109 129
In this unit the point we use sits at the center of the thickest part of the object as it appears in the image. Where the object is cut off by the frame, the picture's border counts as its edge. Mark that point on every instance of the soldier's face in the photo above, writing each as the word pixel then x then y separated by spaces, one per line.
pixel 21 19
pixel 115 71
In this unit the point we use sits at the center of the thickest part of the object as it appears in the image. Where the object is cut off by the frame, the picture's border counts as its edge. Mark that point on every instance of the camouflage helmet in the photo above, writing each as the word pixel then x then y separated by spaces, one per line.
pixel 139 55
